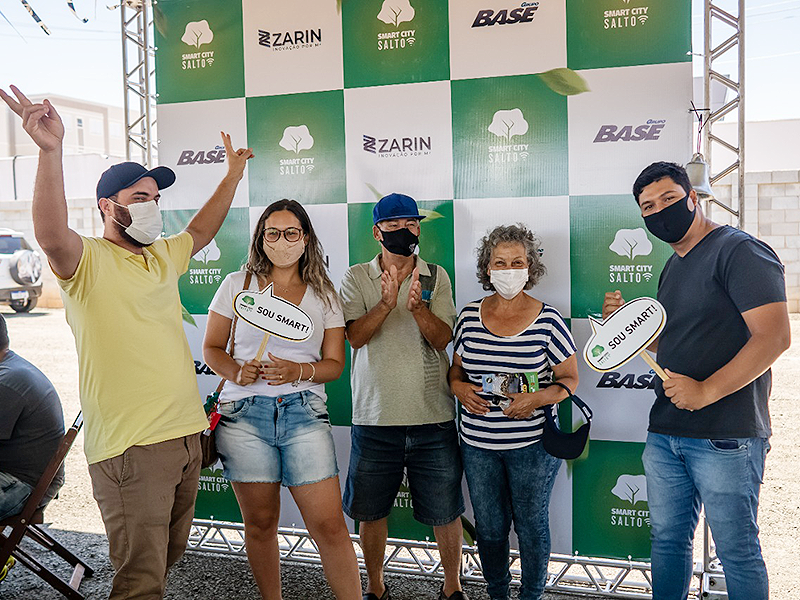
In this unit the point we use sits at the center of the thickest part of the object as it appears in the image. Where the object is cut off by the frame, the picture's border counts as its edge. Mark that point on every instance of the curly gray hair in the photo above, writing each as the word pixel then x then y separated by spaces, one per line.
pixel 510 234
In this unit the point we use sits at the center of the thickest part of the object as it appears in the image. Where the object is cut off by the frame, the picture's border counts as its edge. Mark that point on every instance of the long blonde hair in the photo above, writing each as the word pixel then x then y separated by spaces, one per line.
pixel 312 263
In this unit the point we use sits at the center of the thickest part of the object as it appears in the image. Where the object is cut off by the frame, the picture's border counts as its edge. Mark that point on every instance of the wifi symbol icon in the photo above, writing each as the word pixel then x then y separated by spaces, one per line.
pixel 647 276
pixel 210 61
pixel 642 19
pixel 524 154
pixel 410 41
pixel 310 168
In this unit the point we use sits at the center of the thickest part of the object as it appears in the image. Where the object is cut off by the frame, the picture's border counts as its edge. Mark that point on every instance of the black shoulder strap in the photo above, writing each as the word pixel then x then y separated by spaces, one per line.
pixel 428 282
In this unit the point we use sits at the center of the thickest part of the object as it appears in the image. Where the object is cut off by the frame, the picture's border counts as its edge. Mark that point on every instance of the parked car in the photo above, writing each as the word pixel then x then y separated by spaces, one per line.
pixel 20 271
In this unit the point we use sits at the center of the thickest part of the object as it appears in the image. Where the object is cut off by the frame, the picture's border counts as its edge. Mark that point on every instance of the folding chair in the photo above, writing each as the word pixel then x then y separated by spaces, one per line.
pixel 26 523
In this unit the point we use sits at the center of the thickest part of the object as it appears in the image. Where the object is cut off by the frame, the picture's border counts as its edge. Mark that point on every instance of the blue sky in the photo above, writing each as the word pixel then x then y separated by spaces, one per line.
pixel 84 60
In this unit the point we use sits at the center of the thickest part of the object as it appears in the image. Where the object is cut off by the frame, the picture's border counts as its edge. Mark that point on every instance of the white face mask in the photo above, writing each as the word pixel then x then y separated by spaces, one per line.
pixel 508 282
pixel 284 254
pixel 146 224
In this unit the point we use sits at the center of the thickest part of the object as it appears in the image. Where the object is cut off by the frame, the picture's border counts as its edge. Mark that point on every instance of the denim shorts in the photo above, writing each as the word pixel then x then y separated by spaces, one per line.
pixel 431 458
pixel 271 439
pixel 13 495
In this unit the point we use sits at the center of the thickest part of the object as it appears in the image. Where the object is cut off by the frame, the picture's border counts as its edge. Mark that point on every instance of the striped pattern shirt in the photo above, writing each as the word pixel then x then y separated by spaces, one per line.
pixel 544 343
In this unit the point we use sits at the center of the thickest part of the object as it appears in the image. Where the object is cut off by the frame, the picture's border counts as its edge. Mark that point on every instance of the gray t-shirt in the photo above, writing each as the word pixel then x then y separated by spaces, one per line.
pixel 31 422
pixel 397 378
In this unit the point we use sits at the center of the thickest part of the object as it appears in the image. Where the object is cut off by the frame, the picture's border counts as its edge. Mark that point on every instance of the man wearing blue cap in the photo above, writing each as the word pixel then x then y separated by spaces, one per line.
pixel 399 317
pixel 139 396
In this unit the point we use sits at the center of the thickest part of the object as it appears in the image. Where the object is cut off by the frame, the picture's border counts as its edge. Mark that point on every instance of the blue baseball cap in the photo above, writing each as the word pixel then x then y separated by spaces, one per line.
pixel 395 206
pixel 124 175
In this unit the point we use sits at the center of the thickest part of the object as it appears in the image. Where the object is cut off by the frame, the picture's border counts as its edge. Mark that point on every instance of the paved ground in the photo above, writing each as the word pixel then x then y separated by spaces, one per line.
pixel 44 338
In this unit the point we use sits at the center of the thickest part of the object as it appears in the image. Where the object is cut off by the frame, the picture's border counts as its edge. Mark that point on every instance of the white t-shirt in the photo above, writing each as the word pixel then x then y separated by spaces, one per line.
pixel 248 339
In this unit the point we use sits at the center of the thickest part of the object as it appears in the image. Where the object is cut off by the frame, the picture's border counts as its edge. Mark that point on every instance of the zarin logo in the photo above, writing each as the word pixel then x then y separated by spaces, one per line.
pixel 290 40
pixel 393 13
pixel 631 489
pixel 524 14
pixel 508 124
pixel 395 147
pixel 649 131
pixel 196 34
pixel 630 381
pixel 202 157
pixel 624 18
pixel 630 243
pixel 295 139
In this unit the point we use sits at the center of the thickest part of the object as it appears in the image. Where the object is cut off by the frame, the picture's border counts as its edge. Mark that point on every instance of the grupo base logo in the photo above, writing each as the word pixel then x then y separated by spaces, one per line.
pixel 646 132
pixel 489 17
pixel 202 157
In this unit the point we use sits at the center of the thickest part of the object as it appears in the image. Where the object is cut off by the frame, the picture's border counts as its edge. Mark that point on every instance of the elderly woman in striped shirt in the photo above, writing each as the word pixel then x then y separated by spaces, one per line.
pixel 504 342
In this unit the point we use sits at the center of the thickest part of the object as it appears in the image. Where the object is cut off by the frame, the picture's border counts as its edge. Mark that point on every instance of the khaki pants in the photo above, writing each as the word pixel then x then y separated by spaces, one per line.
pixel 146 498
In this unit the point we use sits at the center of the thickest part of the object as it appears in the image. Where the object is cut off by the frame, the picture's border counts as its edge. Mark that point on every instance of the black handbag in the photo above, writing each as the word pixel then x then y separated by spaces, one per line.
pixel 208 443
pixel 564 444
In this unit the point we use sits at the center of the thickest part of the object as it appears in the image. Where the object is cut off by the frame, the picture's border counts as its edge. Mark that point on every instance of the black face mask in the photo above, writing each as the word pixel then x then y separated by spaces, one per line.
pixel 670 224
pixel 400 241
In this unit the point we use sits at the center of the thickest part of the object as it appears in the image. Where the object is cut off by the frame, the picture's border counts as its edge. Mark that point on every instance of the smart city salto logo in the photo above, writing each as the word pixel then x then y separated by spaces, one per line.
pixel 394 13
pixel 197 34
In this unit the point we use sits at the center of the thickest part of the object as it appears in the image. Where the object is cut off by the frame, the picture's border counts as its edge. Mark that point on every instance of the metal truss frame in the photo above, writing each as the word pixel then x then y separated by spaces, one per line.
pixel 717 19
pixel 578 575
pixel 138 68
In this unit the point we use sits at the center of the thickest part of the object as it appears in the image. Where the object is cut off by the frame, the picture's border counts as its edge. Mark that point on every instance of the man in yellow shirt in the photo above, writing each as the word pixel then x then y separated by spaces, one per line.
pixel 139 396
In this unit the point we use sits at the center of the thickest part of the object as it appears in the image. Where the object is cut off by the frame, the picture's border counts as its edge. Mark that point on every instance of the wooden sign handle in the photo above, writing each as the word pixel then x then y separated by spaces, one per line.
pixel 653 365
pixel 262 347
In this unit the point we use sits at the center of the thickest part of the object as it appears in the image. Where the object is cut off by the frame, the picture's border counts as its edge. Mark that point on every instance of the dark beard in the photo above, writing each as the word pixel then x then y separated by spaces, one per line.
pixel 121 228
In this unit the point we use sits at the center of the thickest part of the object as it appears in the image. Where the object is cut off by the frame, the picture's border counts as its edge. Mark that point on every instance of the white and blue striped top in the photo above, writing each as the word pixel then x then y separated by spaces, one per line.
pixel 544 343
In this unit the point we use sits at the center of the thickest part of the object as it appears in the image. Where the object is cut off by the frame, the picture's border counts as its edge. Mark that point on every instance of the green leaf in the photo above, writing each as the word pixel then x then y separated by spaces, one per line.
pixel 564 81
pixel 339 6
pixel 430 214
pixel 372 189
pixel 187 317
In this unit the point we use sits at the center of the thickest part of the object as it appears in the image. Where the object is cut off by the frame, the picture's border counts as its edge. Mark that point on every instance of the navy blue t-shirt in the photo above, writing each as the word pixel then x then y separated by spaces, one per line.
pixel 705 293
pixel 31 422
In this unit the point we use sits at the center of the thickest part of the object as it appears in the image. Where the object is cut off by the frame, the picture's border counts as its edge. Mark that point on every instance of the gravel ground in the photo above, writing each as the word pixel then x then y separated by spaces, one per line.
pixel 44 338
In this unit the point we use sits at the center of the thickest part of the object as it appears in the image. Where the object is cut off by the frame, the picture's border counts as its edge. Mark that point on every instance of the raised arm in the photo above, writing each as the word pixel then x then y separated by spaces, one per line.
pixel 206 222
pixel 42 123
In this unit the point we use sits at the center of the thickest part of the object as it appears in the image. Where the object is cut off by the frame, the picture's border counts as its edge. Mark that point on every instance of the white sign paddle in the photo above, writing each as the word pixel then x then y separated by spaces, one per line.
pixel 273 315
pixel 624 334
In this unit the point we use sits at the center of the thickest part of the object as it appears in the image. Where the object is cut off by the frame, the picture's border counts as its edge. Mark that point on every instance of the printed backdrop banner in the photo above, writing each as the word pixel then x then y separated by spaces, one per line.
pixel 487 112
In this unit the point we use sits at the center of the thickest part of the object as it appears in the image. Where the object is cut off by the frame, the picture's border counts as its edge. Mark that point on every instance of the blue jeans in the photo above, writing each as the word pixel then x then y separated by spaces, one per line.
pixel 506 485
pixel 725 476
pixel 13 495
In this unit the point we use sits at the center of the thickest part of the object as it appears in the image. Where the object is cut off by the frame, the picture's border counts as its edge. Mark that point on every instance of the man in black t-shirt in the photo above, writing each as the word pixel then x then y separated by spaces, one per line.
pixel 727 321
pixel 31 428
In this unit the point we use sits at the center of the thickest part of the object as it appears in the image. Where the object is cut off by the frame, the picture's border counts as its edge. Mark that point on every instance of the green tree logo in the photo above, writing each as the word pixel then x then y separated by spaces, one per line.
pixel 248 300
pixel 197 33
pixel 297 138
pixel 394 12
pixel 631 488
pixel 631 243
pixel 508 123
pixel 598 350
